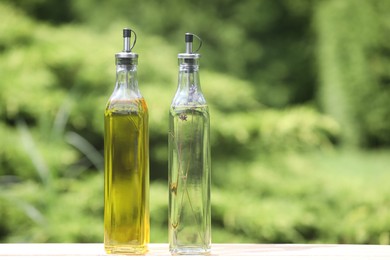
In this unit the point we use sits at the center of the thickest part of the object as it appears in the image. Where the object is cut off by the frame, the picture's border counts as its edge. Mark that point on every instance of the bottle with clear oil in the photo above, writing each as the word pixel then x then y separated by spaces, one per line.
pixel 189 161
pixel 126 158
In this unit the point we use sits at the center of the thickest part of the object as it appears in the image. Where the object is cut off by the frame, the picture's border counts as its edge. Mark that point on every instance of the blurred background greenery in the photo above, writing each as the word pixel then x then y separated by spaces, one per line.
pixel 299 92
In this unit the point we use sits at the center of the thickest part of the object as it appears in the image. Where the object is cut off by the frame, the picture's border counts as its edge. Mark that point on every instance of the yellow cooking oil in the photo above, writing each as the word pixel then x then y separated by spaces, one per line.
pixel 126 180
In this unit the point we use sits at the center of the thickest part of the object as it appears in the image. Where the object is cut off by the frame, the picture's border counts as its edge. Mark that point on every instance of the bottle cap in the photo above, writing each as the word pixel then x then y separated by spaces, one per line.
pixel 126 56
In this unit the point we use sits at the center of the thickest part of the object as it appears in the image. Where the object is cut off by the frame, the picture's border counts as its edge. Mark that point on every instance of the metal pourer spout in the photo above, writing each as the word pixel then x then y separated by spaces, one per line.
pixel 189 38
pixel 126 40
pixel 127 46
pixel 190 56
pixel 126 56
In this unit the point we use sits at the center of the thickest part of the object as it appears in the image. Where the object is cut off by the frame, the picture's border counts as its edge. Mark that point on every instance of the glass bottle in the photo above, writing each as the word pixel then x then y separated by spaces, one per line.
pixel 189 161
pixel 126 158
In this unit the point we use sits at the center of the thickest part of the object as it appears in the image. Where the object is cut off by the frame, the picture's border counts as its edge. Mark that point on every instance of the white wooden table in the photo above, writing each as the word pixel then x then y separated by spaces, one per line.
pixel 229 251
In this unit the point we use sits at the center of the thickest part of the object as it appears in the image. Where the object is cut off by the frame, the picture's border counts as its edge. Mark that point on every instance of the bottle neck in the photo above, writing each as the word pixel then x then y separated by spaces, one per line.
pixel 189 77
pixel 189 91
pixel 126 76
pixel 189 73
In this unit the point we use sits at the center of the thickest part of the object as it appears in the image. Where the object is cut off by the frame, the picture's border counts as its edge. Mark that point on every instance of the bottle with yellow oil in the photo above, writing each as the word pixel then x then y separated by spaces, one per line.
pixel 126 158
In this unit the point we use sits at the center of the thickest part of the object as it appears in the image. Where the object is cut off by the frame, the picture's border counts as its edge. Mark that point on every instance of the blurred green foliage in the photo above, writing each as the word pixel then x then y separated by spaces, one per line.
pixel 279 173
pixel 354 68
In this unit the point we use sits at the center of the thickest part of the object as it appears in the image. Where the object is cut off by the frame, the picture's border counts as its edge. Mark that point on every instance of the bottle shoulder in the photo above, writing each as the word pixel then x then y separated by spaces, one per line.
pixel 125 92
pixel 126 106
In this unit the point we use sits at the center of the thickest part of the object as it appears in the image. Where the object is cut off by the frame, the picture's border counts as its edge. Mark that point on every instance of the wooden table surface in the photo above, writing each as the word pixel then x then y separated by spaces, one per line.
pixel 229 251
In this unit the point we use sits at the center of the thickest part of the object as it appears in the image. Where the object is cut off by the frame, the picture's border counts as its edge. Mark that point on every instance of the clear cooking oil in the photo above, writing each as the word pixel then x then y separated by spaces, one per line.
pixel 189 161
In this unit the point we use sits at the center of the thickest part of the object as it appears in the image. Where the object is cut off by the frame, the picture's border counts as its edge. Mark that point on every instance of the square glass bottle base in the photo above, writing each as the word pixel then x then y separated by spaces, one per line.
pixel 190 250
pixel 126 249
